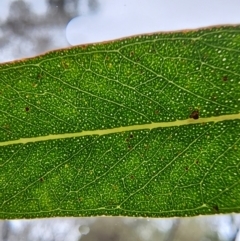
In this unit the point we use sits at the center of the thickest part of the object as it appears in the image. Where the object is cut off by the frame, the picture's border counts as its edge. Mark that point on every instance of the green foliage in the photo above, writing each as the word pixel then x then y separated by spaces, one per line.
pixel 143 126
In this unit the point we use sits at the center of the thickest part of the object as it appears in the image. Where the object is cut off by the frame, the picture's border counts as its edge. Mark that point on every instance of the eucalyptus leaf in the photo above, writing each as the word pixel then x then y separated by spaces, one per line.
pixel 144 126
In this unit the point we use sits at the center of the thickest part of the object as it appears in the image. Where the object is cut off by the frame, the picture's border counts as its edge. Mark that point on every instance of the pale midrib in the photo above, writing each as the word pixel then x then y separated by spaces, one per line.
pixel 122 129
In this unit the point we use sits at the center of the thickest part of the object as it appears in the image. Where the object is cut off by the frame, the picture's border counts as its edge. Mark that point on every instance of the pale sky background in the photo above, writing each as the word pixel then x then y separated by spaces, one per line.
pixel 119 18
pixel 128 17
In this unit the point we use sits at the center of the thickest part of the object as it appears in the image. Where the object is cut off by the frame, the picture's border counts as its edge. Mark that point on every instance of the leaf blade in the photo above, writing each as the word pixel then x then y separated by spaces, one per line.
pixel 184 162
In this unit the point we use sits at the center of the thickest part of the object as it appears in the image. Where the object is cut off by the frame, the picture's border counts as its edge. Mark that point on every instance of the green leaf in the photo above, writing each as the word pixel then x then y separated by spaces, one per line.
pixel 143 126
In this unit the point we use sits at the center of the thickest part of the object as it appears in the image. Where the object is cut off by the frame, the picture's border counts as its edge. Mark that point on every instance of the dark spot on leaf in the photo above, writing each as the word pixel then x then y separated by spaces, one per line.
pixel 6 126
pixel 65 65
pixel 132 53
pixel 224 78
pixel 186 168
pixel 215 208
pixel 129 147
pixel 197 162
pixel 40 76
pixel 131 136
pixel 41 179
pixel 132 177
pixel 214 97
pixel 127 140
pixel 195 114
pixel 115 187
pixel 27 109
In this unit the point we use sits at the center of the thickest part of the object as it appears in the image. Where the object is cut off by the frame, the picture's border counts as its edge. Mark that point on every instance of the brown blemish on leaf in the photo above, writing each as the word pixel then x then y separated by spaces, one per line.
pixel 214 97
pixel 186 168
pixel 131 136
pixel 115 187
pixel 194 115
pixel 41 179
pixel 27 108
pixel 40 76
pixel 216 208
pixel 65 65
pixel 6 126
pixel 225 78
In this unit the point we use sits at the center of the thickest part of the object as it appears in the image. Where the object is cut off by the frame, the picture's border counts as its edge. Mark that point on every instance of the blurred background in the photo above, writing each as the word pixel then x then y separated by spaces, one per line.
pixel 29 28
